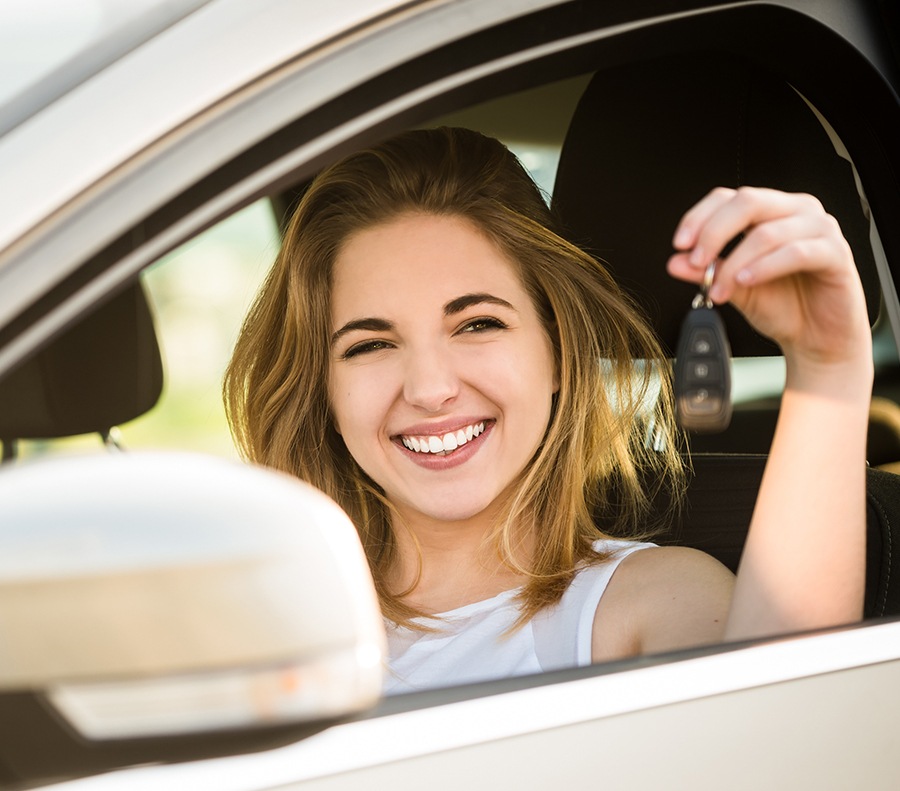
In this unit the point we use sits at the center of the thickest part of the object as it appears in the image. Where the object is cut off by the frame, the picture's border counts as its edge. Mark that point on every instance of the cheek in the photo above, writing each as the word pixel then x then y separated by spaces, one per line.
pixel 531 370
pixel 522 383
pixel 343 410
pixel 541 381
pixel 340 402
pixel 358 404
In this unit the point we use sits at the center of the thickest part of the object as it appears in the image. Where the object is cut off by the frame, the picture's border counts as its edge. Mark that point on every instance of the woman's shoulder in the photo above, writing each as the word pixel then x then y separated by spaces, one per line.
pixel 664 561
pixel 662 599
pixel 562 631
pixel 594 575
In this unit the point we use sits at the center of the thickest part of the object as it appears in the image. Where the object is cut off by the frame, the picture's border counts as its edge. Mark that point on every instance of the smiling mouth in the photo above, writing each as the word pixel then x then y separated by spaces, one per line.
pixel 442 444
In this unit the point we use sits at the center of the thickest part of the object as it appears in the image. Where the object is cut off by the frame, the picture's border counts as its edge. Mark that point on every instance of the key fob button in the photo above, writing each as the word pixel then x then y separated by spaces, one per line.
pixel 702 342
pixel 703 401
pixel 703 370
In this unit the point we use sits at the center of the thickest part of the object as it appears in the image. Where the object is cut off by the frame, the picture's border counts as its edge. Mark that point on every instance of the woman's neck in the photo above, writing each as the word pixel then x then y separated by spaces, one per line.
pixel 459 565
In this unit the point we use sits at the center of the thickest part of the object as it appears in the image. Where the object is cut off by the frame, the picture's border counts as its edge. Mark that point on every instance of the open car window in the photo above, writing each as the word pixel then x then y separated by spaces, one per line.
pixel 198 296
pixel 200 292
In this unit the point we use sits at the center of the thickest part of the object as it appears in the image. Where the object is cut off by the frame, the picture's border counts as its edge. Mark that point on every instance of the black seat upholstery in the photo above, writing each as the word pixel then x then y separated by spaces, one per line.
pixel 720 501
pixel 646 142
pixel 100 373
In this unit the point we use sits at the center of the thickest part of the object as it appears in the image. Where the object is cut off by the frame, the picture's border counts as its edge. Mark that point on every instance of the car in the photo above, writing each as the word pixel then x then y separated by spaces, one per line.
pixel 164 624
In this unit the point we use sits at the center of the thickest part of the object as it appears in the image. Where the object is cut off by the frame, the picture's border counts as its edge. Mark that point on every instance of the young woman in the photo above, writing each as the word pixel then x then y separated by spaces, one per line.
pixel 432 353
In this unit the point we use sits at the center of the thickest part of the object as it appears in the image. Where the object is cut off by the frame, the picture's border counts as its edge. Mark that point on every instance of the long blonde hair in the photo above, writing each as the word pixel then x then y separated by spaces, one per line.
pixel 609 447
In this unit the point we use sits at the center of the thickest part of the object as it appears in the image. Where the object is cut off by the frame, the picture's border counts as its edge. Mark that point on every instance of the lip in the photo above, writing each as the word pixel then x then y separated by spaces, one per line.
pixel 439 428
pixel 460 456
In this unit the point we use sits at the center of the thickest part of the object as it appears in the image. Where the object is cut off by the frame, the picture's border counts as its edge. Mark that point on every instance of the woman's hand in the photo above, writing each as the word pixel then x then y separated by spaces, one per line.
pixel 792 275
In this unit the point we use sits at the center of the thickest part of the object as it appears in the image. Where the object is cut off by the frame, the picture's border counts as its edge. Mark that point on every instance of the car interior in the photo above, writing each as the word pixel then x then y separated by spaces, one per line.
pixel 761 132
pixel 631 159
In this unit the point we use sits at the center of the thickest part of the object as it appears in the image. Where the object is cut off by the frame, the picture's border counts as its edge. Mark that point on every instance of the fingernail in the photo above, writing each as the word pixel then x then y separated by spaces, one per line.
pixel 682 238
pixel 744 277
pixel 697 256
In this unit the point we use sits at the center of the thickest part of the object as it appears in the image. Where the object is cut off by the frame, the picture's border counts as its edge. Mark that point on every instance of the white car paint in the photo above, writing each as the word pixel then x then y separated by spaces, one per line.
pixel 400 744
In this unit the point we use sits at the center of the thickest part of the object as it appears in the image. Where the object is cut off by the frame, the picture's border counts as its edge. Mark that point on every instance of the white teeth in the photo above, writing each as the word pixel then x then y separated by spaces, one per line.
pixel 445 444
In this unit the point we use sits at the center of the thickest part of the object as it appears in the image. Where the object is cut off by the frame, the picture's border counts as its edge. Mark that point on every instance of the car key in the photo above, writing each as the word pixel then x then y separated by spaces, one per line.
pixel 702 366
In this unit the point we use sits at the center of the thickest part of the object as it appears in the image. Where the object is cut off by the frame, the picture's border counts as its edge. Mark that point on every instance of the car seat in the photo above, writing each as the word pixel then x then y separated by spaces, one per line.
pixel 100 373
pixel 646 142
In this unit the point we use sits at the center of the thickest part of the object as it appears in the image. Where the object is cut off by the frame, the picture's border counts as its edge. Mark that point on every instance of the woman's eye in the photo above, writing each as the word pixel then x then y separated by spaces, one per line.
pixel 482 325
pixel 365 347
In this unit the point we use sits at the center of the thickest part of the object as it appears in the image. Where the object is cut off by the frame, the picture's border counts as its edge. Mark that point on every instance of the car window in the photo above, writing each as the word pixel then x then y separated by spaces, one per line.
pixel 199 294
pixel 201 291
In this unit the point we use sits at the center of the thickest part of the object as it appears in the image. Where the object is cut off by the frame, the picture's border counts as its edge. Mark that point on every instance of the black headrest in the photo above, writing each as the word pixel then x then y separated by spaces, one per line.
pixel 101 373
pixel 649 139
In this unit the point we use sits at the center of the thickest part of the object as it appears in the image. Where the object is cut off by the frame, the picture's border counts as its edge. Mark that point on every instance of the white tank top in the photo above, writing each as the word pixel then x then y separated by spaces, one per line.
pixel 469 646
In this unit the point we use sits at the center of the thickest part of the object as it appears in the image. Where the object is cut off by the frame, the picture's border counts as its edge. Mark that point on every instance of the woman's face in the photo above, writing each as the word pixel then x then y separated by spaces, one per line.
pixel 441 371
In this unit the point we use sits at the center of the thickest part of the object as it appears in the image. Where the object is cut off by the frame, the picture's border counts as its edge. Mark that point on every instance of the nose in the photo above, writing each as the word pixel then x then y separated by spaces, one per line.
pixel 430 381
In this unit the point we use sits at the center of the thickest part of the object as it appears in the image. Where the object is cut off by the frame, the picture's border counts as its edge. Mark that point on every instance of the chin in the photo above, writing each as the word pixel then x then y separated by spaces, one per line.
pixel 453 511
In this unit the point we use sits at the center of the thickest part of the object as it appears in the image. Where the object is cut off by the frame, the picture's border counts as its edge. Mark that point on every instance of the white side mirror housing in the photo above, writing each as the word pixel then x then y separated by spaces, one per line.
pixel 158 594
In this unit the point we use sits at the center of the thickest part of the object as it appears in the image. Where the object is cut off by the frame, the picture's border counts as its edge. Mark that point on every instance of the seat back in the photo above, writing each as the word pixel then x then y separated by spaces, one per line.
pixel 648 140
pixel 720 500
pixel 100 373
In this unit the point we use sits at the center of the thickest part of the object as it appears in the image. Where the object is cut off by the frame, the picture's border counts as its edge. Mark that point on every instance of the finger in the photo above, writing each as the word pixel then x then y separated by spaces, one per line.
pixel 807 255
pixel 680 267
pixel 689 227
pixel 749 206
pixel 764 239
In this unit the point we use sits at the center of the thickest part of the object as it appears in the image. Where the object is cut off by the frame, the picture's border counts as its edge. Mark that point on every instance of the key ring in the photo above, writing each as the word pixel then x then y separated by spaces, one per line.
pixel 702 299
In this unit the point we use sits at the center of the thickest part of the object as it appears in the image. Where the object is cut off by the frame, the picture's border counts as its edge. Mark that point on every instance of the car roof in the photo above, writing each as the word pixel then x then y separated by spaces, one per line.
pixel 48 48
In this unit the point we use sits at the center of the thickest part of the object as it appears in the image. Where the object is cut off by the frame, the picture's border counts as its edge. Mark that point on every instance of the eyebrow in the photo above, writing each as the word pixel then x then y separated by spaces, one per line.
pixel 453 307
pixel 459 304
pixel 372 325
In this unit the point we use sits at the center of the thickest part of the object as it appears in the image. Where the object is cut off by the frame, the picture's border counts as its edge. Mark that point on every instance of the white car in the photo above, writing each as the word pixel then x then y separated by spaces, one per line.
pixel 178 621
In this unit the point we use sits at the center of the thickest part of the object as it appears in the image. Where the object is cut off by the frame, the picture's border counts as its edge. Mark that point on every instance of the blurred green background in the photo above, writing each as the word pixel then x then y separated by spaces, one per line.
pixel 199 294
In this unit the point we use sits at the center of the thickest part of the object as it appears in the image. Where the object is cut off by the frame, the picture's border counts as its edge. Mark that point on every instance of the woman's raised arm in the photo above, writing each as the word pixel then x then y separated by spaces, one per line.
pixel 793 277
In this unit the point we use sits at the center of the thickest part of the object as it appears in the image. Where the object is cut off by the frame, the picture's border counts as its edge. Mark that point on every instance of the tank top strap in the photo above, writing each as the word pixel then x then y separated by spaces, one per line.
pixel 562 633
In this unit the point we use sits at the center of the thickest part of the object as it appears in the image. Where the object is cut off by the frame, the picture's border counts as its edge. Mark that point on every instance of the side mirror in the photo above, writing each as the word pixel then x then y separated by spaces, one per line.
pixel 163 607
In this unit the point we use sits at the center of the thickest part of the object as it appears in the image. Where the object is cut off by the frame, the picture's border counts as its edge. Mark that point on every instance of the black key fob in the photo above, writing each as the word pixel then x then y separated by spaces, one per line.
pixel 703 369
